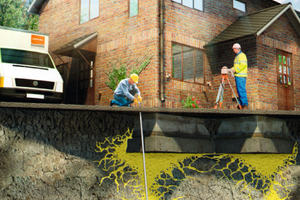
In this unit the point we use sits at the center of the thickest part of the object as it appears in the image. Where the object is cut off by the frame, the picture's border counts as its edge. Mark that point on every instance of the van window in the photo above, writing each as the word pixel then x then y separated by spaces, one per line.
pixel 22 57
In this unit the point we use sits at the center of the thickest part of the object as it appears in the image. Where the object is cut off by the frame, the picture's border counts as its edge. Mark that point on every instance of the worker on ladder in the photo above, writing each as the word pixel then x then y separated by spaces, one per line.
pixel 240 72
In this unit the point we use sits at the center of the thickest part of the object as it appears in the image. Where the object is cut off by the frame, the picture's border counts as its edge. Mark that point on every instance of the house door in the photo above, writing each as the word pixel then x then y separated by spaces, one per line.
pixel 285 81
pixel 85 83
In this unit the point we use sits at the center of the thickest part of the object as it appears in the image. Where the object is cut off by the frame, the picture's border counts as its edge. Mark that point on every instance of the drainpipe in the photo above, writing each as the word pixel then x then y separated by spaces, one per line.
pixel 161 50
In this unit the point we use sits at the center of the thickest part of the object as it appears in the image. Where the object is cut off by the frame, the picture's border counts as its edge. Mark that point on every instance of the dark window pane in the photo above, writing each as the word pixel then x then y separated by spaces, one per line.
pixel 87 75
pixel 199 68
pixel 188 64
pixel 280 78
pixel 25 58
pixel 177 67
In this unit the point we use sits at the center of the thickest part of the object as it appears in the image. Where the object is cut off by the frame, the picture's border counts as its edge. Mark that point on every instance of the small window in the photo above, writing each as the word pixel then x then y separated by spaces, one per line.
pixel 195 4
pixel 239 5
pixel 188 64
pixel 133 7
pixel 89 9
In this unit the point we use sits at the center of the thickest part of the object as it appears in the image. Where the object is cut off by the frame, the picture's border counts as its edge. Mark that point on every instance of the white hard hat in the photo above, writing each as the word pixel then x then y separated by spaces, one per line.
pixel 236 46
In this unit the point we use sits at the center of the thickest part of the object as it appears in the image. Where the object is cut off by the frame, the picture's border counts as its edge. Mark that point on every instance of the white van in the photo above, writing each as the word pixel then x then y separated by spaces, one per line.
pixel 27 71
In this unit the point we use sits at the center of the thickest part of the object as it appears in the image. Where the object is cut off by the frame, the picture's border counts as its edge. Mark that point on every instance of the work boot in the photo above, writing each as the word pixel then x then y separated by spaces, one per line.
pixel 245 107
pixel 110 103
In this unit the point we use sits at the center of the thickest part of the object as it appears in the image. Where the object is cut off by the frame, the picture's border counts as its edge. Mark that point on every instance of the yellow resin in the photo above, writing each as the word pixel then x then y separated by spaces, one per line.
pixel 117 162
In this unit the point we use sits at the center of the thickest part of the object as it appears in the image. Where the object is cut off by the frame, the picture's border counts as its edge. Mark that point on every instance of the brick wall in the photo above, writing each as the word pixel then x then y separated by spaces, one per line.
pixel 280 35
pixel 262 80
pixel 119 37
pixel 195 28
pixel 130 39
pixel 222 55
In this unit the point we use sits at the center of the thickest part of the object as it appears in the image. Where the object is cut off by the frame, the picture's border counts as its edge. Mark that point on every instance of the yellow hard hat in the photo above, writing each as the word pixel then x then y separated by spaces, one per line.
pixel 134 77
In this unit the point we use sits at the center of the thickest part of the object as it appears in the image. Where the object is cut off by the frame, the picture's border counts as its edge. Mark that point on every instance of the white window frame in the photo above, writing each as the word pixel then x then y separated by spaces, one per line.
pixel 182 2
pixel 89 11
pixel 238 4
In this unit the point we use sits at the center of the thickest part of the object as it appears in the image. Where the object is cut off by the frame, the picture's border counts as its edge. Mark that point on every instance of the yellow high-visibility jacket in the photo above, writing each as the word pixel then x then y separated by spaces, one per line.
pixel 240 65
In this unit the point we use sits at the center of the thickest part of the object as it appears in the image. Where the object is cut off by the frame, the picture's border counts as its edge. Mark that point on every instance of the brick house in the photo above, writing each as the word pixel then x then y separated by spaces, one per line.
pixel 189 41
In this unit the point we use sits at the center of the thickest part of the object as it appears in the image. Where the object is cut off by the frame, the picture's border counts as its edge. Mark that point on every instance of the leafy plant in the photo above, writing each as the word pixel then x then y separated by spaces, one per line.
pixel 116 74
pixel 13 13
pixel 190 102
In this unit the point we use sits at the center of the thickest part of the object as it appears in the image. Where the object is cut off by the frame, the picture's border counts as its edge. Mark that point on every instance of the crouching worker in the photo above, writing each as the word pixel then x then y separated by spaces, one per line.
pixel 125 92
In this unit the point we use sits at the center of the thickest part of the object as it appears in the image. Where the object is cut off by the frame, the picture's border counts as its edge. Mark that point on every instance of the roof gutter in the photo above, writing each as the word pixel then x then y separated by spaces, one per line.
pixel 161 50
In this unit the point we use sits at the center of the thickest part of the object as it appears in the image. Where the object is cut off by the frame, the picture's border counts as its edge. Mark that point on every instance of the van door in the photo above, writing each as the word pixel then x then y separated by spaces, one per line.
pixel 285 80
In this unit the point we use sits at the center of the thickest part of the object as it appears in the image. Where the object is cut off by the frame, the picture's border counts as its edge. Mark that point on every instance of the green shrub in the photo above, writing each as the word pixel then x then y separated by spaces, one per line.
pixel 119 73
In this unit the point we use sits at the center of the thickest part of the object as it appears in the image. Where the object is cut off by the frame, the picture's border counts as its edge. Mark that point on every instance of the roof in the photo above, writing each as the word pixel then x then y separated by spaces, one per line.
pixel 256 23
pixel 67 49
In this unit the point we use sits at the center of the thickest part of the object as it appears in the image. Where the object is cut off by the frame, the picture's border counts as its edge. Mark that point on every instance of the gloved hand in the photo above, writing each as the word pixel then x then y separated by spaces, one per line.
pixel 135 101
pixel 140 98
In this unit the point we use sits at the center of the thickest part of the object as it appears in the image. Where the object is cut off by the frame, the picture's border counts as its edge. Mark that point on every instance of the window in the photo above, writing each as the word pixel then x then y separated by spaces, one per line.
pixel 89 9
pixel 22 57
pixel 239 5
pixel 196 4
pixel 133 7
pixel 188 64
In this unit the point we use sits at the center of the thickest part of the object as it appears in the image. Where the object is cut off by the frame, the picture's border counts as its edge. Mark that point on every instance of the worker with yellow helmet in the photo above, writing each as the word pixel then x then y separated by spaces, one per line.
pixel 124 93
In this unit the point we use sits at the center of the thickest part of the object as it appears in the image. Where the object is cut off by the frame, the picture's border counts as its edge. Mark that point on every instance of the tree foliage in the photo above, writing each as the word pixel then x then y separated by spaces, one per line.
pixel 117 74
pixel 13 13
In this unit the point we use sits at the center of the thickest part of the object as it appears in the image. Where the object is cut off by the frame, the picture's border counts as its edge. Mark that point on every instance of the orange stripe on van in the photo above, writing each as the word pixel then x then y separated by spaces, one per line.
pixel 37 40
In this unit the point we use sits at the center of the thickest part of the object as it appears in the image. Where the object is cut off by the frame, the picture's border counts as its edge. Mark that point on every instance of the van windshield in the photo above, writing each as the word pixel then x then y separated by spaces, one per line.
pixel 23 57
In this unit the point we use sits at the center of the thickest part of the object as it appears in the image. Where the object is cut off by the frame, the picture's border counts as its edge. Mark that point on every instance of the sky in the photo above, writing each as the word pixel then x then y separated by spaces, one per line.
pixel 295 3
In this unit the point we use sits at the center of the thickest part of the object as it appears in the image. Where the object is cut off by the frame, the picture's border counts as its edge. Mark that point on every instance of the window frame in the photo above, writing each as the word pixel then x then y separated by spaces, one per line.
pixel 241 1
pixel 182 69
pixel 203 3
pixel 89 12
